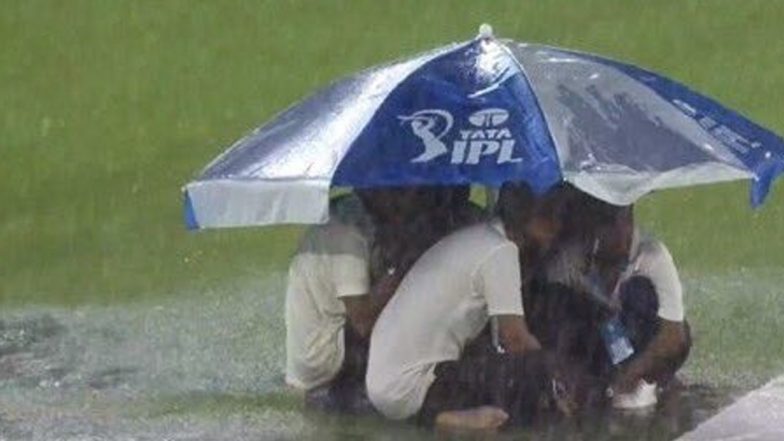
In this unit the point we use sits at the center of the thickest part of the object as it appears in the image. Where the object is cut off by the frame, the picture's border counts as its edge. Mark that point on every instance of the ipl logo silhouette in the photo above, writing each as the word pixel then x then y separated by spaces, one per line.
pixel 430 125
pixel 486 136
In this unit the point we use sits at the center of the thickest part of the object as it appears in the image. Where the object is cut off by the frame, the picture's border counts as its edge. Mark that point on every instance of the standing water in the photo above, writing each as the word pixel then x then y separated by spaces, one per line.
pixel 210 368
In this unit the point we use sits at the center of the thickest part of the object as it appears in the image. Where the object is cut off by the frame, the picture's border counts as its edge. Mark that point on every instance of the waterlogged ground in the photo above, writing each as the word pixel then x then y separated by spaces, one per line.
pixel 112 106
pixel 209 368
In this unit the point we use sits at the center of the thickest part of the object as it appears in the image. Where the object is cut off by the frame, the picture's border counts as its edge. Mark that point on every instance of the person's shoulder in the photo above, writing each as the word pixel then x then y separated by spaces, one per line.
pixel 471 213
pixel 468 236
pixel 332 238
pixel 647 240
pixel 487 234
pixel 334 230
pixel 480 228
pixel 651 247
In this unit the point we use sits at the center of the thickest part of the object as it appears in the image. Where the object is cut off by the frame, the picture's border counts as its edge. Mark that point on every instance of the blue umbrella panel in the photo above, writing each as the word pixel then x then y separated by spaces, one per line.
pixel 484 112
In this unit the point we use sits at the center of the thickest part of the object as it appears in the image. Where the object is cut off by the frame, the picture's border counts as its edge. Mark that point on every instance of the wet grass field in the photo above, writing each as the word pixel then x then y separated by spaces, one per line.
pixel 115 321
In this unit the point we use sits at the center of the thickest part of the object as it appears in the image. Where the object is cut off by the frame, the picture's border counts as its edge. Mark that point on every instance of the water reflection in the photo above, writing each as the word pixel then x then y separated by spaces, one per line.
pixel 209 368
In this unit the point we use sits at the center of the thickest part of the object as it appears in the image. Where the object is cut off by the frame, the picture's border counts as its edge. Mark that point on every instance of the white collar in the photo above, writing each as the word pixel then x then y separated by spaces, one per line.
pixel 634 253
pixel 498 225
pixel 634 249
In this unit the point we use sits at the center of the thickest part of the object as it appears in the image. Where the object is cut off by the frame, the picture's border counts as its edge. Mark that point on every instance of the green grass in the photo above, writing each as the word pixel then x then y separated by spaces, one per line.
pixel 221 405
pixel 108 107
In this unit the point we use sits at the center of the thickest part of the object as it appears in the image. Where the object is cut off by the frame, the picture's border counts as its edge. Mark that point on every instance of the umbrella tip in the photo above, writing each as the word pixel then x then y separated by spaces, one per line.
pixel 485 31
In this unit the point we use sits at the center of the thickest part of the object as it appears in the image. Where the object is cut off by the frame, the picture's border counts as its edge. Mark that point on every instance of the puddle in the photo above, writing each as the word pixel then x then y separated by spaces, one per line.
pixel 210 368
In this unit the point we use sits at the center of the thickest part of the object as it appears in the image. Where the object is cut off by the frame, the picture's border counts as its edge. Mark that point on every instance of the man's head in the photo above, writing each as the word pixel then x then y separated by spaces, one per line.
pixel 391 205
pixel 589 218
pixel 535 220
pixel 397 205
pixel 410 219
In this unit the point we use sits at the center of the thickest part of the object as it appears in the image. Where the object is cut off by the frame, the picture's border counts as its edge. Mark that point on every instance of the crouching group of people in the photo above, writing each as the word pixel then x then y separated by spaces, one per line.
pixel 413 303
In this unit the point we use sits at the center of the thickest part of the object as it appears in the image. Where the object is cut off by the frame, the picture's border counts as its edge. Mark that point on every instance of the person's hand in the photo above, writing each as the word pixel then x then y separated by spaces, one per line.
pixel 514 335
pixel 386 286
pixel 626 380
pixel 530 343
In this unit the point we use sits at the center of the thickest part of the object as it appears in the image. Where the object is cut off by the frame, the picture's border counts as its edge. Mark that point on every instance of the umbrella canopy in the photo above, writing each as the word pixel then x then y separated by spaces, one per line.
pixel 484 111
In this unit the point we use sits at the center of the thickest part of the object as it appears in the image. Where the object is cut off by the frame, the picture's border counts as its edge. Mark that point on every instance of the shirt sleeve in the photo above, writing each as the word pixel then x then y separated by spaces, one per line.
pixel 349 263
pixel 657 264
pixel 498 280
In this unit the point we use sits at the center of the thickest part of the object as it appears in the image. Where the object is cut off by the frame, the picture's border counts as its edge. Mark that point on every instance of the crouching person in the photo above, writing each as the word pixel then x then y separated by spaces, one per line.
pixel 644 288
pixel 330 309
pixel 418 368
pixel 651 298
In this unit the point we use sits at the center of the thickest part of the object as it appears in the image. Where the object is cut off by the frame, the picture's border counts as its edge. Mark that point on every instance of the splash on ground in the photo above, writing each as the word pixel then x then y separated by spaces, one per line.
pixel 209 368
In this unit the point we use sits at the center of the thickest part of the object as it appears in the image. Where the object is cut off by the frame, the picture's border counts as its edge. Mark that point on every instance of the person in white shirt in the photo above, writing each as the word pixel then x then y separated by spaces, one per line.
pixel 651 298
pixel 336 288
pixel 329 269
pixel 417 367
pixel 605 254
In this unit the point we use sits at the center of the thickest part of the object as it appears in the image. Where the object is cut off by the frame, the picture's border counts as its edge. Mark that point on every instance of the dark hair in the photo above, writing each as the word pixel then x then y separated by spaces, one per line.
pixel 517 204
pixel 587 215
pixel 460 195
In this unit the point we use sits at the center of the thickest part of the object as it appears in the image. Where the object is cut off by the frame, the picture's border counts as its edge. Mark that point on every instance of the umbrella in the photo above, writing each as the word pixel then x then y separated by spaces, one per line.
pixel 484 111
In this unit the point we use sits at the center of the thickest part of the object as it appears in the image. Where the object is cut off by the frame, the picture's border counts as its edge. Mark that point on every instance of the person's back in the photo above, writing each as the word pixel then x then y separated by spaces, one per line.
pixel 331 263
pixel 442 304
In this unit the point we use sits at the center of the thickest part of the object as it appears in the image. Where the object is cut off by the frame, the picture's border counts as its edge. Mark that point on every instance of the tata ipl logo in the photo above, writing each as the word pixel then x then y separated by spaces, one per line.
pixel 486 135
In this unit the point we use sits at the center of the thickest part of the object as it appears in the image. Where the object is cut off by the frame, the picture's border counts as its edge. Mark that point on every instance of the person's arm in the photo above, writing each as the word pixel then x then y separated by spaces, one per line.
pixel 363 310
pixel 499 282
pixel 514 336
pixel 671 340
pixel 350 265
pixel 359 314
pixel 667 345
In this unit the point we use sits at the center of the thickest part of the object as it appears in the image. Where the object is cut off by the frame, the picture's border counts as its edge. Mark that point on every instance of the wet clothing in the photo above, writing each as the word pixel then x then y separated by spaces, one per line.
pixel 641 318
pixel 511 382
pixel 553 303
pixel 346 392
pixel 561 298
pixel 650 258
pixel 331 263
pixel 567 324
pixel 441 305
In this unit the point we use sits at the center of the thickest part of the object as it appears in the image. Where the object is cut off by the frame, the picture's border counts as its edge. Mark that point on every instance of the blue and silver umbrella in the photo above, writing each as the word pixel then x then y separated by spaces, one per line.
pixel 484 112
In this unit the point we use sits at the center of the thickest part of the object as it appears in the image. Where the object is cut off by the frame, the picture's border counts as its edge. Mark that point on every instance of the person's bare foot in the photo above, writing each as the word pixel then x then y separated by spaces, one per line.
pixel 477 418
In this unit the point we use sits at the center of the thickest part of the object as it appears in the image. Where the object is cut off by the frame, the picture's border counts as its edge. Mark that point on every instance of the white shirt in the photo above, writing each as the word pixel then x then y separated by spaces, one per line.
pixel 331 263
pixel 650 258
pixel 442 304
